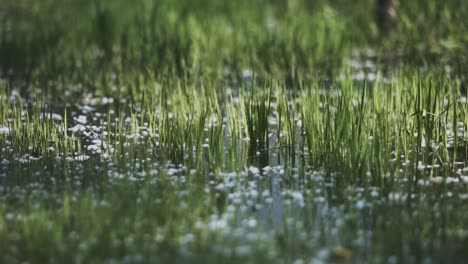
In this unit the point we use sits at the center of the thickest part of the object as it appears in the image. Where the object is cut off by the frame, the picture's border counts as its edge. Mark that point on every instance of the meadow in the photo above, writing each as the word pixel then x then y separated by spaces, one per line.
pixel 210 131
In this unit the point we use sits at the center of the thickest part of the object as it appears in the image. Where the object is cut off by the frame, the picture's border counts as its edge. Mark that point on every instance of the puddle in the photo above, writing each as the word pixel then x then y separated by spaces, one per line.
pixel 277 198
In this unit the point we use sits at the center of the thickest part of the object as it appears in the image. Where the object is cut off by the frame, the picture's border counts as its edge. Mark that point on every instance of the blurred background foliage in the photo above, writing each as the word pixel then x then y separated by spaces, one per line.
pixel 50 39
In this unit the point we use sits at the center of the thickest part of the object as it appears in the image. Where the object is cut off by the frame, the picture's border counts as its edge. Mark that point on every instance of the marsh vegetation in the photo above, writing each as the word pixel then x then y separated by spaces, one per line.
pixel 232 131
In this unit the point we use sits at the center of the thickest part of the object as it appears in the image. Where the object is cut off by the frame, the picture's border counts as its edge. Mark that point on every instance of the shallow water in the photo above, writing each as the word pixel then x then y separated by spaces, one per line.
pixel 278 204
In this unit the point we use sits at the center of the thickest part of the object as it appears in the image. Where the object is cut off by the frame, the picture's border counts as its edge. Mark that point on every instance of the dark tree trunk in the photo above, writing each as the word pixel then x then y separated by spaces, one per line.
pixel 385 14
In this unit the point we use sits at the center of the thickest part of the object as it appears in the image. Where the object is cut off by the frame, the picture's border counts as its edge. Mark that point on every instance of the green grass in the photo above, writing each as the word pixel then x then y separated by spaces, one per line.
pixel 251 131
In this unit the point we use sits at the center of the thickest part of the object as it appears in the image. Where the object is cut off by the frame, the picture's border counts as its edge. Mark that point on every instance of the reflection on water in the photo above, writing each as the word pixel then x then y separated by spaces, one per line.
pixel 278 197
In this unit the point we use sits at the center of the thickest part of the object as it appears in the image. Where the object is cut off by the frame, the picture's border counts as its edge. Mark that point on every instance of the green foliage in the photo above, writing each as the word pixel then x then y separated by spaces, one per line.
pixel 232 131
pixel 190 38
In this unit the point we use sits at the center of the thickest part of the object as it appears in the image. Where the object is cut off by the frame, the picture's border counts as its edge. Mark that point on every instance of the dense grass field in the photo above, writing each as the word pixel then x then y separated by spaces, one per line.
pixel 211 131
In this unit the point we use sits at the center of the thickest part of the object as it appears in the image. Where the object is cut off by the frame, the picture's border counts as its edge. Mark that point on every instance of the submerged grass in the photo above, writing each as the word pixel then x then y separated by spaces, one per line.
pixel 392 140
pixel 254 131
